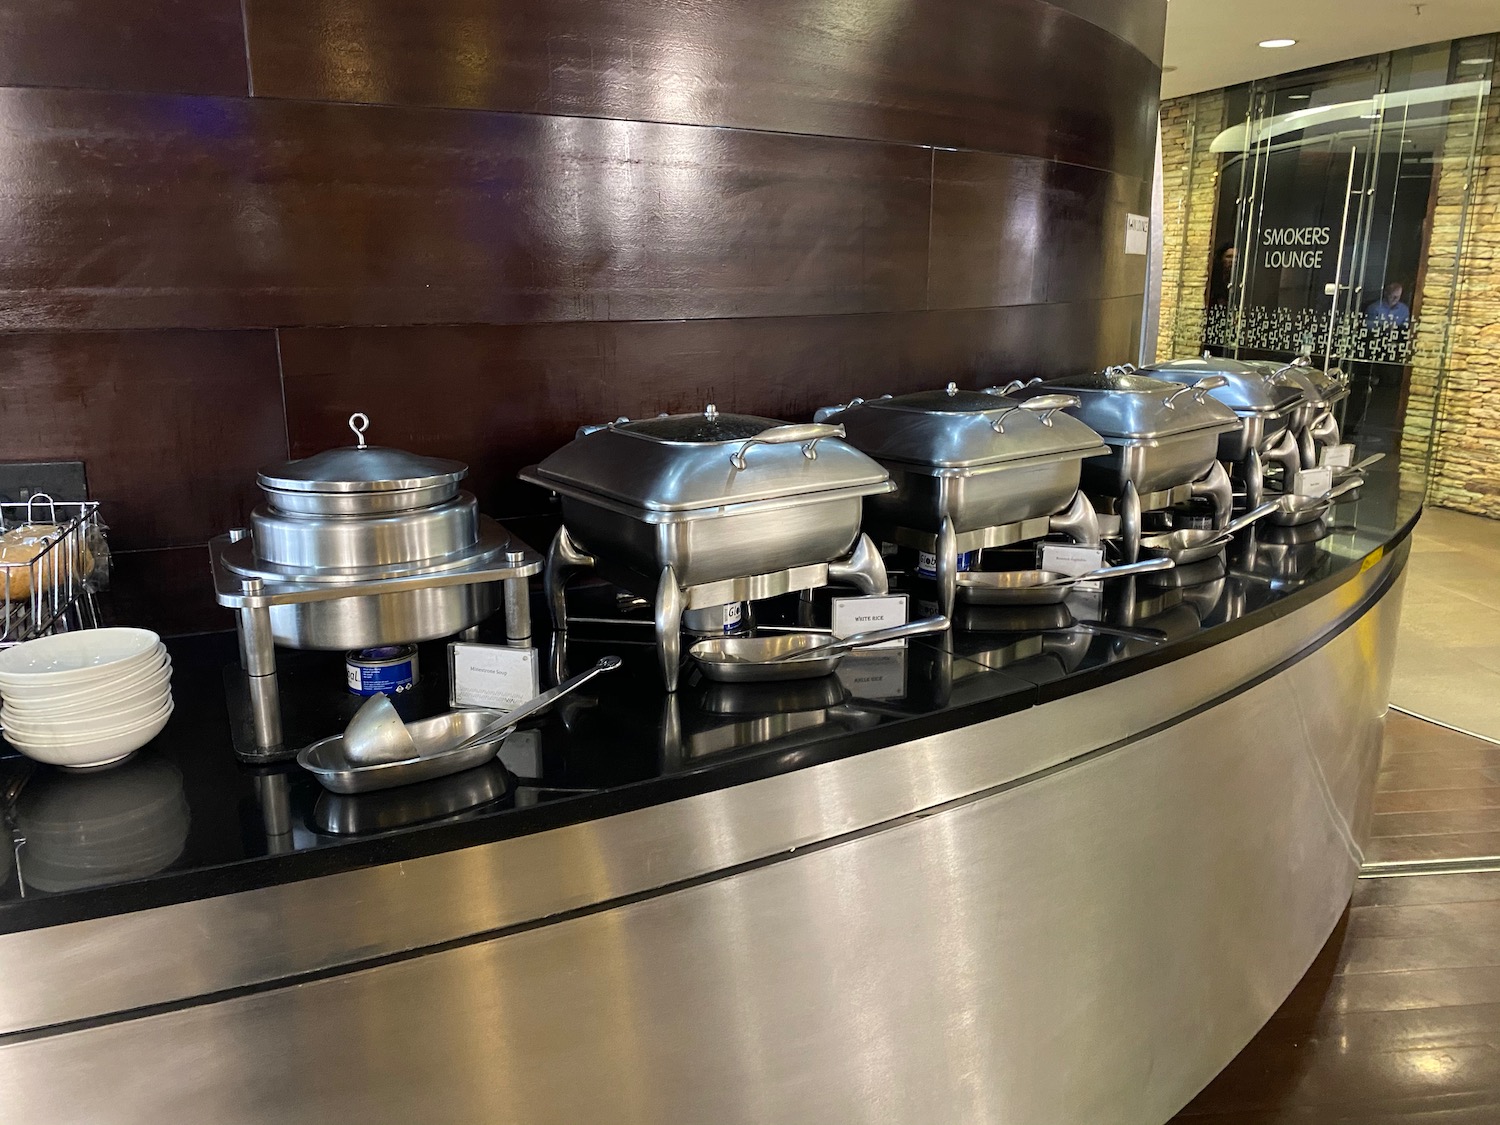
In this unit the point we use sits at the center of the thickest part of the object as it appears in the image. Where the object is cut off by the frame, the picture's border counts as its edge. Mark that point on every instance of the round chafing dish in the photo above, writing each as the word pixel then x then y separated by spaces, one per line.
pixel 350 517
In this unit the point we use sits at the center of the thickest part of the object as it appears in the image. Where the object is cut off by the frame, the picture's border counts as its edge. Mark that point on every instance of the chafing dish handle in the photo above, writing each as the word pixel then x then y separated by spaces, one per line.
pixel 1011 387
pixel 1198 390
pixel 808 433
pixel 1046 405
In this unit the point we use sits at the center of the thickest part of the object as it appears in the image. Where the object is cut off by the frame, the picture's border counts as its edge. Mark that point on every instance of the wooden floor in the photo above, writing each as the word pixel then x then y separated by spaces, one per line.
pixel 1398 1020
pixel 1438 797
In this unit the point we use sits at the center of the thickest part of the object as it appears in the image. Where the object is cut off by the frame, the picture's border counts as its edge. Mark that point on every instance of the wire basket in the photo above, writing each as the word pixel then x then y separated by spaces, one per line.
pixel 50 551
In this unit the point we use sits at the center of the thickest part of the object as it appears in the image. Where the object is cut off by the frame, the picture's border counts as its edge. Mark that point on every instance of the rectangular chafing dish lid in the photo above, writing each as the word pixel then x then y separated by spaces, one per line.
pixel 1250 390
pixel 1122 406
pixel 954 428
pixel 682 462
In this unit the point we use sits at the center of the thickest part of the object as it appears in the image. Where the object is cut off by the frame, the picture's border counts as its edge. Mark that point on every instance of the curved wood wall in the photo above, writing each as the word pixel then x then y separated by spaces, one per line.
pixel 226 226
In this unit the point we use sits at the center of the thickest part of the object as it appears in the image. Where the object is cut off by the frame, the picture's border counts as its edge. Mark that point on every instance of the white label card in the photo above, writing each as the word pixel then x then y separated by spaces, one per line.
pixel 1137 234
pixel 1065 559
pixel 865 615
pixel 1313 482
pixel 494 676
pixel 1338 456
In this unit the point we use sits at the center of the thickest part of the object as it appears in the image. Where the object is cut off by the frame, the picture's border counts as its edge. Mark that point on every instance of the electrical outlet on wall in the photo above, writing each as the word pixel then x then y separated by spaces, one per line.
pixel 61 480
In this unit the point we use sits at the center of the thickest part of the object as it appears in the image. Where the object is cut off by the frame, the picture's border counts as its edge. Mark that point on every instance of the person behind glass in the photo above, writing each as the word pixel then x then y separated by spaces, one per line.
pixel 1389 309
pixel 1220 286
pixel 1387 321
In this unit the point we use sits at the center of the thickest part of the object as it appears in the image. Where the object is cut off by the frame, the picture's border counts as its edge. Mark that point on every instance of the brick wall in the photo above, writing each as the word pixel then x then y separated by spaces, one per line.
pixel 1453 406
pixel 1190 184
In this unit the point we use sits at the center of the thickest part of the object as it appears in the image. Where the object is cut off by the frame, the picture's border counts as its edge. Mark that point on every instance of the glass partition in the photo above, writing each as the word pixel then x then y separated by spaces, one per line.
pixel 1338 205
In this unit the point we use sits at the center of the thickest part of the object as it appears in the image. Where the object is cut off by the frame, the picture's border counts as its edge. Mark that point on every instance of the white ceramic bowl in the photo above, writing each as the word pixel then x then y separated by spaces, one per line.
pixel 74 660
pixel 149 682
pixel 92 754
pixel 92 725
pixel 119 677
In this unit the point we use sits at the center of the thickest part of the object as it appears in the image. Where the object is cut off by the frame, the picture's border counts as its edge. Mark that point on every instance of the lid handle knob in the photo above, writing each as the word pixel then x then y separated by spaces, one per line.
pixel 359 423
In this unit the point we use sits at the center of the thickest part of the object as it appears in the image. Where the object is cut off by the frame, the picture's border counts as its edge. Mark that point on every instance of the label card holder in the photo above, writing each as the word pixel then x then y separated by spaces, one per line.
pixel 1063 558
pixel 496 677
pixel 1313 482
pixel 866 614
pixel 1337 456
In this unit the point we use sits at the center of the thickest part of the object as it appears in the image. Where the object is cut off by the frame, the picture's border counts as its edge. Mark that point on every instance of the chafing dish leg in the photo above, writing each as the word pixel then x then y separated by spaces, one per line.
pixel 1284 452
pixel 1255 480
pixel 517 610
pixel 258 658
pixel 1130 523
pixel 563 557
pixel 947 568
pixel 1307 448
pixel 669 606
pixel 864 569
pixel 1078 521
pixel 1324 431
pixel 1215 485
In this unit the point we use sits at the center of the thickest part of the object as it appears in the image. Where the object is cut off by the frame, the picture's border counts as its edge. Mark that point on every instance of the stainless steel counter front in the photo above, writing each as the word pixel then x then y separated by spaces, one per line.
pixel 1074 913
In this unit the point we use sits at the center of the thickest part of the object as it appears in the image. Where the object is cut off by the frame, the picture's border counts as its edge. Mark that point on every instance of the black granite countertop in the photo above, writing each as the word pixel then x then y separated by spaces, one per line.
pixel 185 820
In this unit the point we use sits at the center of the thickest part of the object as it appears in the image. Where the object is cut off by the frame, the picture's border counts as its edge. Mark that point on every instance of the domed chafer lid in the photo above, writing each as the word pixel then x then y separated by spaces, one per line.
pixel 362 468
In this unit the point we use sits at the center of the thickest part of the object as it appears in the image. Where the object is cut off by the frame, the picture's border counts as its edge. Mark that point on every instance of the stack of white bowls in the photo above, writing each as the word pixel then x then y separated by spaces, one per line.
pixel 85 700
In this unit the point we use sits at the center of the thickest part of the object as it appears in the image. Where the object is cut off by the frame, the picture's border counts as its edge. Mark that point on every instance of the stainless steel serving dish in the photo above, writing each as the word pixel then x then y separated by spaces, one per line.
pixel 972 457
pixel 349 518
pixel 360 547
pixel 703 510
pixel 1314 422
pixel 1263 402
pixel 1160 435
pixel 437 740
pixel 711 496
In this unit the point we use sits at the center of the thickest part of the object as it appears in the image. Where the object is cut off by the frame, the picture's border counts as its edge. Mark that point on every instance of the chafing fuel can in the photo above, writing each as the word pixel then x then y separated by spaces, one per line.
pixel 389 668
pixel 927 562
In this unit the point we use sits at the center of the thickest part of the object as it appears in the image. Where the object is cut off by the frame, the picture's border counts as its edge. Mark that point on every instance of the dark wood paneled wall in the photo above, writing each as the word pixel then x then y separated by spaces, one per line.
pixel 224 226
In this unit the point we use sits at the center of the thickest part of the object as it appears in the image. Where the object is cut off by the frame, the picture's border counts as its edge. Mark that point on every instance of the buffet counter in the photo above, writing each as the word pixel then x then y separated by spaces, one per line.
pixel 1058 866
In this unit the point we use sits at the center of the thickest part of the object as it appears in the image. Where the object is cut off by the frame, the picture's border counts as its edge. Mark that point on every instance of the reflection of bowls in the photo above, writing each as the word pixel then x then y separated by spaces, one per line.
pixel 89 831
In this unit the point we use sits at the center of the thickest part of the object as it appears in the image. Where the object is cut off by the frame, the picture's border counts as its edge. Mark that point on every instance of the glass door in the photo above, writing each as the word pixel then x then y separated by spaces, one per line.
pixel 1337 227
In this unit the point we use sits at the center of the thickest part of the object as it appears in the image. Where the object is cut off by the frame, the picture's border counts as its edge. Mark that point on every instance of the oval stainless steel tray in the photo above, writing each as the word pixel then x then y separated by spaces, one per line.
pixel 325 759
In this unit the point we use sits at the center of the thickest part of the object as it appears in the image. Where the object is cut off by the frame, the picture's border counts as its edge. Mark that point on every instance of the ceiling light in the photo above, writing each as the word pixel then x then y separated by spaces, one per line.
pixel 1472 62
pixel 1278 43
pixel 1299 97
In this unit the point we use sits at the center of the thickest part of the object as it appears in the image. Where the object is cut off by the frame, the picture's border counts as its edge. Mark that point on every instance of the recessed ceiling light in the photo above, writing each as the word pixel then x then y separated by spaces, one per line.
pixel 1472 62
pixel 1299 97
pixel 1278 43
